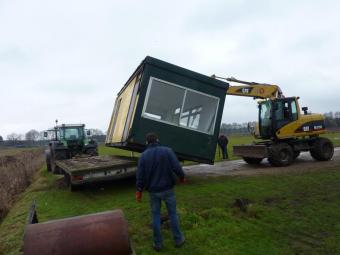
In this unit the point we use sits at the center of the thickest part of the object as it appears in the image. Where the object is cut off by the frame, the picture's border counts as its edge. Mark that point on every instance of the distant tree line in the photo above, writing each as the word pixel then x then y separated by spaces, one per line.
pixel 234 128
pixel 34 138
pixel 332 122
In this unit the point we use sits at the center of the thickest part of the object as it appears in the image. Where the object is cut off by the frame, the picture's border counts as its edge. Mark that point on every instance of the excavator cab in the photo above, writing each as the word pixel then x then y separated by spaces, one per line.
pixel 275 114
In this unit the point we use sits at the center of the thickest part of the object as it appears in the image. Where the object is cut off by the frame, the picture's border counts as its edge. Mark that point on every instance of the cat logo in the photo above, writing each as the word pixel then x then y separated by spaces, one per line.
pixel 246 90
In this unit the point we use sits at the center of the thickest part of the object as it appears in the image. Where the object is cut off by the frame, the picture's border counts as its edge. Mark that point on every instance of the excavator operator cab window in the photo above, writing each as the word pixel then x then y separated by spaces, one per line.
pixel 285 111
pixel 265 120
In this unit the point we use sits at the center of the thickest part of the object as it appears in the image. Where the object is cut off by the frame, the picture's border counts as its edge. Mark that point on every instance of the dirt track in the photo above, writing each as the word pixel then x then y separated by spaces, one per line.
pixel 304 163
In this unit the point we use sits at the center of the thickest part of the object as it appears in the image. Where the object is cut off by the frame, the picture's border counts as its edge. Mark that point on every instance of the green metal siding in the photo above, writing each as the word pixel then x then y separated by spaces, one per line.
pixel 188 144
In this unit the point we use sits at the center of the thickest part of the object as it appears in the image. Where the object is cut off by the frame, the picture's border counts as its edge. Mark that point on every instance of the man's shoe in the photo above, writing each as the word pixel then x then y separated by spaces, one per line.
pixel 177 245
pixel 157 248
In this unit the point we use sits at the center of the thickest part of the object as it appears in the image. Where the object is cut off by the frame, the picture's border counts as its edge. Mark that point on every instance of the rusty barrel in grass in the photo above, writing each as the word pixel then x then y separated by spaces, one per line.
pixel 96 234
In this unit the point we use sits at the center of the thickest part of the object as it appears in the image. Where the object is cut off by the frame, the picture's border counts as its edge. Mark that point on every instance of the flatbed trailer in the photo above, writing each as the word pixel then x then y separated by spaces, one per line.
pixel 88 169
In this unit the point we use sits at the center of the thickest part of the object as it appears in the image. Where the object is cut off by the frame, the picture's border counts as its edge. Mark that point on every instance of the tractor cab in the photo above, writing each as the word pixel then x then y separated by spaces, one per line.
pixel 73 136
pixel 69 140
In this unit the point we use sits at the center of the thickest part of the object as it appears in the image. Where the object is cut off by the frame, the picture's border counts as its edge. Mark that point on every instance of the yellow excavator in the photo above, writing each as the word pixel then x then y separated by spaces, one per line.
pixel 283 129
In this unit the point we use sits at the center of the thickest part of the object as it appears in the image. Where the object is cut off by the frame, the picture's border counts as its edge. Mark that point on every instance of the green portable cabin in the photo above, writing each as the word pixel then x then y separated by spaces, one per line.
pixel 182 107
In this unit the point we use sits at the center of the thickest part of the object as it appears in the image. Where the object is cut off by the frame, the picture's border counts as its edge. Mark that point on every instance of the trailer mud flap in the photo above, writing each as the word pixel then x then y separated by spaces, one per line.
pixel 251 151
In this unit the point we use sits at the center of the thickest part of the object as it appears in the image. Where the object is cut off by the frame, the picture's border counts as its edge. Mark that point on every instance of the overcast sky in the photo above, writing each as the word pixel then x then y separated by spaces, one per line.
pixel 67 60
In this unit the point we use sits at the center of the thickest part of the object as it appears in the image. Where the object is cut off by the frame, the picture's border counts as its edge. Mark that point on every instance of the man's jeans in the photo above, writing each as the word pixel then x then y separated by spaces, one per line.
pixel 155 201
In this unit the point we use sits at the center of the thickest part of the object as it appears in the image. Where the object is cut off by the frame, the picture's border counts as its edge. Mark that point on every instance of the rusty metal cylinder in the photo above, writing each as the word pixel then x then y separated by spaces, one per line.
pixel 97 234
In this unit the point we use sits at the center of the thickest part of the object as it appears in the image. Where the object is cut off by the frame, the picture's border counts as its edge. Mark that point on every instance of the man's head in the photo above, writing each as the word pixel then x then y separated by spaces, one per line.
pixel 151 138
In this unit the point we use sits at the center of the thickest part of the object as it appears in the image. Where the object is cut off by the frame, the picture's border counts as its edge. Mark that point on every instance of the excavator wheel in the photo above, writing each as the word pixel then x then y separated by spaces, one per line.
pixel 252 161
pixel 322 150
pixel 281 154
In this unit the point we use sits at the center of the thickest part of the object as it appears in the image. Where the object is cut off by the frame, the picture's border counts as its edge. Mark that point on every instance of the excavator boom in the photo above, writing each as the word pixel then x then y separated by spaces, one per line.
pixel 253 89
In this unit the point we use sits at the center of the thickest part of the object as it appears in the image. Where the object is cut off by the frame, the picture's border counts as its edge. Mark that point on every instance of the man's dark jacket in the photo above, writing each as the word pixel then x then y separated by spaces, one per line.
pixel 222 141
pixel 157 167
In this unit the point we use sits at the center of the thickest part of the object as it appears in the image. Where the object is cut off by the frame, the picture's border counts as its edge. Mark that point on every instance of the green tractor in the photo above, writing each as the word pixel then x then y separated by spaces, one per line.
pixel 69 141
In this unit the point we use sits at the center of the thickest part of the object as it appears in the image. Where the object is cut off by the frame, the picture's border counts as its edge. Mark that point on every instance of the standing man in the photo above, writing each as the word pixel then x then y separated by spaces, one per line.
pixel 156 172
pixel 223 143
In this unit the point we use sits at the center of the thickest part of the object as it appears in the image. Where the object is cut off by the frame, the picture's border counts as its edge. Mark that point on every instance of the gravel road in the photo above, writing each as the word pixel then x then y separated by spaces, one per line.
pixel 304 163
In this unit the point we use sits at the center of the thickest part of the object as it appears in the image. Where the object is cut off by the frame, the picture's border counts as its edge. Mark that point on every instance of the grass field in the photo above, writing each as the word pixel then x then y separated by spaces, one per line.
pixel 288 213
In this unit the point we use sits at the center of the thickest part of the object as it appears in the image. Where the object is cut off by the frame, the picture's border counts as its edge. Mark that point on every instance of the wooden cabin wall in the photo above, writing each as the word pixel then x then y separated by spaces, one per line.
pixel 117 127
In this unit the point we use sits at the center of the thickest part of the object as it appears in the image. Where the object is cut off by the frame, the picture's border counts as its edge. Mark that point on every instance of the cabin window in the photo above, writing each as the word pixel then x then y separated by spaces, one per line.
pixel 177 105
pixel 164 102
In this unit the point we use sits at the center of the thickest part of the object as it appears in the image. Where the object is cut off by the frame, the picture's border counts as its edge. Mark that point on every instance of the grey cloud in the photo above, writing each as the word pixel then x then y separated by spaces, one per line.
pixel 50 51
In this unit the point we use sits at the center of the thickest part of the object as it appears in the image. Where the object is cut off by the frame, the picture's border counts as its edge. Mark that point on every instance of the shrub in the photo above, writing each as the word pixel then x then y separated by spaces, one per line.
pixel 16 174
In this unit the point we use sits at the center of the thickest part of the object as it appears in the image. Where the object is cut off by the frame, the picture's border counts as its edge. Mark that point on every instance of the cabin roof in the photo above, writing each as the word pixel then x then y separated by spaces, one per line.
pixel 176 69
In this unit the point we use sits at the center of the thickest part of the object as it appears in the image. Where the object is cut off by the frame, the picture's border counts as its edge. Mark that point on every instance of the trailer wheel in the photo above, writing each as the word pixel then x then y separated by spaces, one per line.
pixel 281 154
pixel 252 161
pixel 322 149
pixel 67 179
pixel 296 154
pixel 73 187
pixel 69 184
pixel 48 161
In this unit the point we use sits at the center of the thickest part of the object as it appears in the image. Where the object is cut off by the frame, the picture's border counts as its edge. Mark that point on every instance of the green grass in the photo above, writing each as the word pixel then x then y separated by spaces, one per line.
pixel 289 214
pixel 103 150
pixel 334 136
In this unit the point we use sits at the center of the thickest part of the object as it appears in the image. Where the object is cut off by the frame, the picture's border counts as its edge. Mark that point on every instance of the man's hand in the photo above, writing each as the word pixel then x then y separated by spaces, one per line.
pixel 183 180
pixel 138 196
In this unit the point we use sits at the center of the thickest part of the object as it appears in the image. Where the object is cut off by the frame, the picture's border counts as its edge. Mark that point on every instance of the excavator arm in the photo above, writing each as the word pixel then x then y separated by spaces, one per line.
pixel 253 89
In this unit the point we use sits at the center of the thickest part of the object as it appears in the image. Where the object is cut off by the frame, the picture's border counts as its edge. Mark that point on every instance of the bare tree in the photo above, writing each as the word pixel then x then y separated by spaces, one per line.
pixel 95 131
pixel 14 137
pixel 1 139
pixel 32 135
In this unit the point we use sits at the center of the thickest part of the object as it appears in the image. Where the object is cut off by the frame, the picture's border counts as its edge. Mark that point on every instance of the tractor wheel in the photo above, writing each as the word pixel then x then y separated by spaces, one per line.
pixel 322 150
pixel 48 161
pixel 54 168
pixel 296 154
pixel 281 154
pixel 49 167
pixel 92 152
pixel 252 161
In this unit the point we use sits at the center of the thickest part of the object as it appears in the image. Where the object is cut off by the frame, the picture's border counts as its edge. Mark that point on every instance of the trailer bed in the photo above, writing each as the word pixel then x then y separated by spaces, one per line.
pixel 84 169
